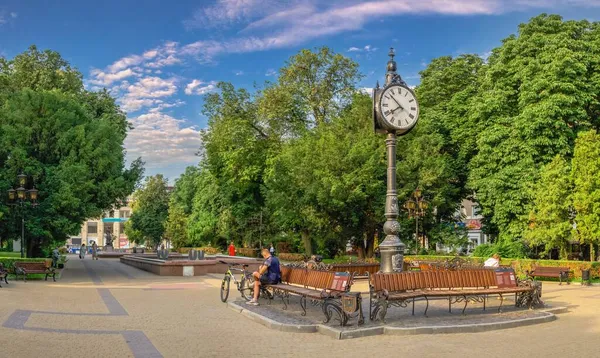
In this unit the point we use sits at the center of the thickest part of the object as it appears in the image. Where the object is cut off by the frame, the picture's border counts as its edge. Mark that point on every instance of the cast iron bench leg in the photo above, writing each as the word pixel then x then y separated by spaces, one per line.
pixel 501 303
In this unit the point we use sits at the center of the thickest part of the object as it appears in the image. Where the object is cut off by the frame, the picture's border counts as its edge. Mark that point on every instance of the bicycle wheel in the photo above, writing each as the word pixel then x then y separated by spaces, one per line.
pixel 247 287
pixel 225 288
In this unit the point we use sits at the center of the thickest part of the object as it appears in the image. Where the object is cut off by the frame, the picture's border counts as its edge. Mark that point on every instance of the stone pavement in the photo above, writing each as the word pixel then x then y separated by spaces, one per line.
pixel 107 309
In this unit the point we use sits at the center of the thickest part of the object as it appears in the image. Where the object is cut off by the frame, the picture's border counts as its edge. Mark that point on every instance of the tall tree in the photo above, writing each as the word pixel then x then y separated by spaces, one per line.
pixel 150 212
pixel 534 98
pixel 585 173
pixel 320 82
pixel 69 140
pixel 550 219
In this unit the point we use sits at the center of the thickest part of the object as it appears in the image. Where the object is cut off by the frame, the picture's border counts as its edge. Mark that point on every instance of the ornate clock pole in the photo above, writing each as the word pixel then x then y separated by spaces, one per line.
pixel 395 112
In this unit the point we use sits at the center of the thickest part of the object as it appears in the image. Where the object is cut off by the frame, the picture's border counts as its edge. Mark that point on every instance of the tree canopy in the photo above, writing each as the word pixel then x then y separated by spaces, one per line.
pixel 69 141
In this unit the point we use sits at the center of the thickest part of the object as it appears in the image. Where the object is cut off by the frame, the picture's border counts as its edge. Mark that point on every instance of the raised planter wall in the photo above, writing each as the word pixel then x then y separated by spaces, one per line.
pixel 186 267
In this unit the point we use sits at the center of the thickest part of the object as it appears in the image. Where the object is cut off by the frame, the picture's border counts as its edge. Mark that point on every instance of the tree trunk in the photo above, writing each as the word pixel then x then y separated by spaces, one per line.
pixel 360 250
pixel 592 252
pixel 370 242
pixel 307 242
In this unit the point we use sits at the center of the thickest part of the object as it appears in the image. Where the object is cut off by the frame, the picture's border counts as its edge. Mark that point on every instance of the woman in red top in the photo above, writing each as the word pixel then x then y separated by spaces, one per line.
pixel 231 249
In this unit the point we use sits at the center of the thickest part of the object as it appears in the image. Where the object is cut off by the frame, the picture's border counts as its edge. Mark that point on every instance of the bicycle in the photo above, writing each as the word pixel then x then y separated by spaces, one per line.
pixel 245 285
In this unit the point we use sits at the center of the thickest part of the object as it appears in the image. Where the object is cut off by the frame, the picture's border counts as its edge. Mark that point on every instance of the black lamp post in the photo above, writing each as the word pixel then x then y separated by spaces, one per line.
pixel 417 207
pixel 21 197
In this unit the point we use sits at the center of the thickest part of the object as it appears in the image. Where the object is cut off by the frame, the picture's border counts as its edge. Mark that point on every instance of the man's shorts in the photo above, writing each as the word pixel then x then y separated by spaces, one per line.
pixel 264 280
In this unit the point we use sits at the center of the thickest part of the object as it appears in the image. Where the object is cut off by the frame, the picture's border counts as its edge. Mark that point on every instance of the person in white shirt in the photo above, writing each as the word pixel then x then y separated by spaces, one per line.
pixel 493 261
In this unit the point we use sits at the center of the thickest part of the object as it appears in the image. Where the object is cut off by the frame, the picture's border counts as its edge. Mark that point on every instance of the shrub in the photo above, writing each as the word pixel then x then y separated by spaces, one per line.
pixel 521 266
pixel 283 246
pixel 290 257
pixel 248 252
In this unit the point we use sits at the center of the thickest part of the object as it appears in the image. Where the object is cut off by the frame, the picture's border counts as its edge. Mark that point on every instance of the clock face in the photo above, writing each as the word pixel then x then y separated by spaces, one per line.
pixel 399 107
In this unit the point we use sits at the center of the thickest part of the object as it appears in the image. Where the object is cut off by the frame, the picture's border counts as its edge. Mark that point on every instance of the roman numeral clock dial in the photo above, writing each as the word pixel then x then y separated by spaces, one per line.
pixel 399 108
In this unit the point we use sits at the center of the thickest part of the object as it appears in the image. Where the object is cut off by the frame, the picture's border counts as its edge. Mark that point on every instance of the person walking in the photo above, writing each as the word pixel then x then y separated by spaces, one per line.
pixel 231 249
pixel 82 251
pixel 272 250
pixel 94 251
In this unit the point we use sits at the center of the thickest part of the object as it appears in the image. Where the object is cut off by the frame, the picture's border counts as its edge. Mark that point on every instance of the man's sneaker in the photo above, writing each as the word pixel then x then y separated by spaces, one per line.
pixel 252 302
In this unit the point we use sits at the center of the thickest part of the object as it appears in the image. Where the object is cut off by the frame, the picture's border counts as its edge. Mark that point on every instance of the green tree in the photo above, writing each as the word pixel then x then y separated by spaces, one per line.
pixel 550 221
pixel 320 83
pixel 176 227
pixel 69 140
pixel 585 173
pixel 537 93
pixel 149 212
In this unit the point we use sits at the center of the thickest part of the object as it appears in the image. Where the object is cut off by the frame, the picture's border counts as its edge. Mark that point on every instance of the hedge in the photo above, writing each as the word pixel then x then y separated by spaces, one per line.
pixel 521 266
pixel 290 257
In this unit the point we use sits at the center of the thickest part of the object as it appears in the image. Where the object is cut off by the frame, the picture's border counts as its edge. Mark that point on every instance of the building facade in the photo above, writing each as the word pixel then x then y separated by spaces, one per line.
pixel 98 230
pixel 470 217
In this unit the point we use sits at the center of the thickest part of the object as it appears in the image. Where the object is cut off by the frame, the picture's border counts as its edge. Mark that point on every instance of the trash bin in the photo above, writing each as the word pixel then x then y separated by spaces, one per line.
pixel 192 254
pixel 585 277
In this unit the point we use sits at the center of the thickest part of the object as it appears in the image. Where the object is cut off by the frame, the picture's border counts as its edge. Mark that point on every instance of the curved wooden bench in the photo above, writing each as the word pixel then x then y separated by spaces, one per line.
pixel 399 289
pixel 326 287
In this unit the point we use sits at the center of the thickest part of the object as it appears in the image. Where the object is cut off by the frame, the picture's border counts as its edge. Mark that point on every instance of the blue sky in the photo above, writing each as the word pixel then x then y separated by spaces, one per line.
pixel 159 58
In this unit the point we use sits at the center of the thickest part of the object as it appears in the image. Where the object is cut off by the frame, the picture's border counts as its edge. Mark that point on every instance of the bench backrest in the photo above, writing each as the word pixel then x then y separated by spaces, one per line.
pixel 33 265
pixel 408 281
pixel 550 270
pixel 293 276
pixel 321 280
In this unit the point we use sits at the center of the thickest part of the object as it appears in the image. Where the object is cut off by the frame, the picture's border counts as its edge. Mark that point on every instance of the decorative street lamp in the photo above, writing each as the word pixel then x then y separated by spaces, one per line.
pixel 21 197
pixel 417 207
pixel 395 112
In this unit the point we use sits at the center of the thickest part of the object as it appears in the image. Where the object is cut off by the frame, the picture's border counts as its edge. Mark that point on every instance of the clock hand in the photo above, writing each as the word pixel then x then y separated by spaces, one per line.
pixel 398 103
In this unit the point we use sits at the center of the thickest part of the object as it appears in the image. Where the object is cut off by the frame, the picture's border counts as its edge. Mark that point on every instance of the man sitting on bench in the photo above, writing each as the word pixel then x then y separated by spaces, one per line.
pixel 268 274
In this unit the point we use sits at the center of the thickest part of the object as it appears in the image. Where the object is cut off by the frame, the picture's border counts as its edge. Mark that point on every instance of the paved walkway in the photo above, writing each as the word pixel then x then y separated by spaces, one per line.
pixel 106 309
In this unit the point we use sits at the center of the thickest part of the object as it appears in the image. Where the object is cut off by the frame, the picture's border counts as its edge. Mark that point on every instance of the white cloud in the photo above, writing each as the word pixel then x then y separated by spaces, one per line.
pixel 239 73
pixel 102 78
pixel 226 12
pixel 295 22
pixel 165 105
pixel 197 87
pixel 270 72
pixel 125 62
pixel 5 17
pixel 150 54
pixel 164 55
pixel 132 104
pixel 152 87
pixel 367 48
pixel 159 138
pixel 367 90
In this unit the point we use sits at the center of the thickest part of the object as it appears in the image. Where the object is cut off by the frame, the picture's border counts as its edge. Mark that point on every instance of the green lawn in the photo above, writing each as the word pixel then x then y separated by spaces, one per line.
pixel 10 254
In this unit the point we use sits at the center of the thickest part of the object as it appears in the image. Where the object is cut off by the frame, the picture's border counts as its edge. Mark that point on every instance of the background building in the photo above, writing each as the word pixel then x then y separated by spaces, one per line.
pixel 96 230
